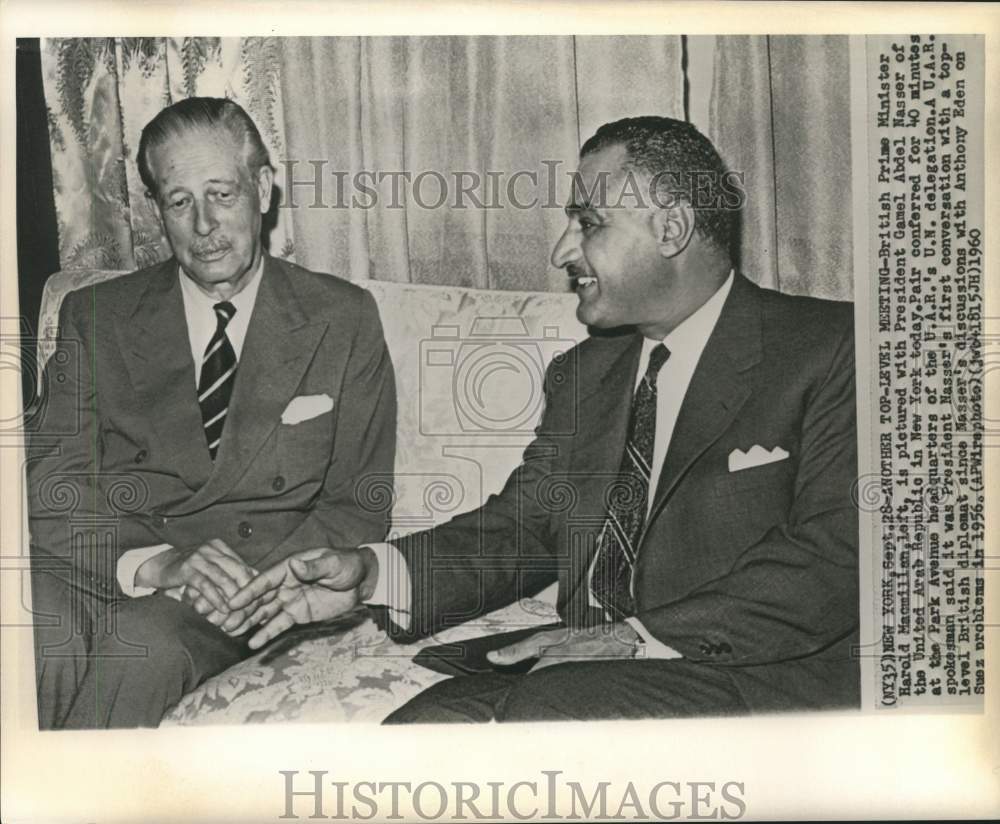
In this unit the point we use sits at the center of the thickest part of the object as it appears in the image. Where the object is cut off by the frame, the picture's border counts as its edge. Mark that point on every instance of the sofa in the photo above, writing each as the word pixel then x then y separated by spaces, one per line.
pixel 469 366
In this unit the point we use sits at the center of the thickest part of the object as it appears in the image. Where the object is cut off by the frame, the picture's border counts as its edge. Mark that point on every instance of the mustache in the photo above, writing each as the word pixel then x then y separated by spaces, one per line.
pixel 211 248
pixel 576 272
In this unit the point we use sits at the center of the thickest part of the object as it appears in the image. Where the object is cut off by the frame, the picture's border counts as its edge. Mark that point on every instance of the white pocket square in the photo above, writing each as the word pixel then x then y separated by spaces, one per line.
pixel 305 407
pixel 755 456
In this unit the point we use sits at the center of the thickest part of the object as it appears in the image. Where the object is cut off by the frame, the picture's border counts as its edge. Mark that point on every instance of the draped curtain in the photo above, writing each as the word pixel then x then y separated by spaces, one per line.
pixel 779 112
pixel 497 110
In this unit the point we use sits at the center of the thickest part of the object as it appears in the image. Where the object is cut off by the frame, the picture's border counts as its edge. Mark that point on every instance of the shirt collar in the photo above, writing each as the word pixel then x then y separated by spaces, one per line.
pixel 690 335
pixel 243 301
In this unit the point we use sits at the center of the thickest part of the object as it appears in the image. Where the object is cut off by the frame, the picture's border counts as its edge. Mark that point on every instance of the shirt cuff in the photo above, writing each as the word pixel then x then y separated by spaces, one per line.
pixel 128 566
pixel 392 587
pixel 652 648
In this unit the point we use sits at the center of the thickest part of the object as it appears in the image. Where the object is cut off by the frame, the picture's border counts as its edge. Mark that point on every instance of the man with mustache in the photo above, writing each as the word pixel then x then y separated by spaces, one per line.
pixel 226 409
pixel 703 447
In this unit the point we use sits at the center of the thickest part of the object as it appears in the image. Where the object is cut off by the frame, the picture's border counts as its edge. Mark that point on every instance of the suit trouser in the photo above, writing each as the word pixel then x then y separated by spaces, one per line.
pixel 579 690
pixel 118 662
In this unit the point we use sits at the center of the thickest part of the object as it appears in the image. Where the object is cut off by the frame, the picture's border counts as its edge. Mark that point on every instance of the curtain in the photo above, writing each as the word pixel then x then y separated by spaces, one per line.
pixel 779 111
pixel 508 112
pixel 486 107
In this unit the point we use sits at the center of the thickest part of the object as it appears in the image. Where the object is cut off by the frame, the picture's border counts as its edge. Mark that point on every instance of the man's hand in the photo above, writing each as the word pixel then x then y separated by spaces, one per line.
pixel 209 573
pixel 557 646
pixel 312 585
pixel 211 568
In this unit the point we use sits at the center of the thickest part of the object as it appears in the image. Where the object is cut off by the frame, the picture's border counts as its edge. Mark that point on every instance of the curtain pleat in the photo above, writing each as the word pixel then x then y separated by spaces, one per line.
pixel 780 114
pixel 88 173
pixel 144 89
pixel 323 133
pixel 812 139
pixel 627 76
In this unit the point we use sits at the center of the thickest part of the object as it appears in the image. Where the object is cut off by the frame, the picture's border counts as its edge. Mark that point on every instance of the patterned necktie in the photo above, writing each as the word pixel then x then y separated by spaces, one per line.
pixel 611 581
pixel 218 372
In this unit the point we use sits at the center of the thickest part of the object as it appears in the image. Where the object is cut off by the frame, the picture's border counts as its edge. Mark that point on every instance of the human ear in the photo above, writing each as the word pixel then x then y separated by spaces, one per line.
pixel 265 180
pixel 674 227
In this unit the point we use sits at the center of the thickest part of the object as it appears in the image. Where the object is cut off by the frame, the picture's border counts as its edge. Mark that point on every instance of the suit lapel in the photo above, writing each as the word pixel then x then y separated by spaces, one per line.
pixel 280 343
pixel 718 390
pixel 603 410
pixel 157 353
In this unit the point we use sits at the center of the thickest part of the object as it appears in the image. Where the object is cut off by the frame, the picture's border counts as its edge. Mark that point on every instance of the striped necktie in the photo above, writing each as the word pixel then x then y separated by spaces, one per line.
pixel 218 373
pixel 611 581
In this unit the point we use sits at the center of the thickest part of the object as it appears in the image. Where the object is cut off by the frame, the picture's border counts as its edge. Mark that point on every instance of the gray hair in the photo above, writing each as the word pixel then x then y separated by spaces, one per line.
pixel 201 113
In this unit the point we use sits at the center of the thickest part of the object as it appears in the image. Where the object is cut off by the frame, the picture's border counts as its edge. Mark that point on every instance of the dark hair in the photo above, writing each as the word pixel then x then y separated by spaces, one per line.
pixel 201 113
pixel 682 162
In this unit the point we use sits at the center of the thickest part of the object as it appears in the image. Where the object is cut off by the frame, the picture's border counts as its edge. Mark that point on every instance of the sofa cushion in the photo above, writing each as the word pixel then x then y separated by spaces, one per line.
pixel 347 670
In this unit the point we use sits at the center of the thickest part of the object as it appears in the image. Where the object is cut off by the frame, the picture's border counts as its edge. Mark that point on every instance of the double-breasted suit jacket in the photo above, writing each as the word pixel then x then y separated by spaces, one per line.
pixel 132 466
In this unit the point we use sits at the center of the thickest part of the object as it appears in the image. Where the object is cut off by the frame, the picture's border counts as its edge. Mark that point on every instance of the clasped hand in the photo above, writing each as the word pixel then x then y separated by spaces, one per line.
pixel 312 585
pixel 207 575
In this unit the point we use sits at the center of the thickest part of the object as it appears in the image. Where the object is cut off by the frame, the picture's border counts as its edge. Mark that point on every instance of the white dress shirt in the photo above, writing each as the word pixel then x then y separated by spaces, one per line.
pixel 202 320
pixel 201 323
pixel 686 343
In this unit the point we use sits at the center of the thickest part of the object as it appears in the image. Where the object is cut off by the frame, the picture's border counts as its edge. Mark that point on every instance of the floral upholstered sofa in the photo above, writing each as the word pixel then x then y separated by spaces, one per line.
pixel 469 366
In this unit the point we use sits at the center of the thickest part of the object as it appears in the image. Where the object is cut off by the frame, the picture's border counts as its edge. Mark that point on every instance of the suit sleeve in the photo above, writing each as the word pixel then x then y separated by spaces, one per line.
pixel 351 508
pixel 74 508
pixel 795 591
pixel 487 558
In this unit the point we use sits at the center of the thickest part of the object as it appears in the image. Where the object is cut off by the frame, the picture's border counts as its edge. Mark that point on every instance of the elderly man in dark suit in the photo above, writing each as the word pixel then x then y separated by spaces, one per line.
pixel 225 409
pixel 689 486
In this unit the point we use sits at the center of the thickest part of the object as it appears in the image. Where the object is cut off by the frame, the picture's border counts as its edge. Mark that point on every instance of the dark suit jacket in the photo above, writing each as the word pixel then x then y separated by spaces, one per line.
pixel 132 467
pixel 753 570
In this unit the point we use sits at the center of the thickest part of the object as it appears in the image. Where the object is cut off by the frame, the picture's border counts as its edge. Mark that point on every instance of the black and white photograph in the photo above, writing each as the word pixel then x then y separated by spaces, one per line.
pixel 496 388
